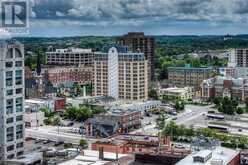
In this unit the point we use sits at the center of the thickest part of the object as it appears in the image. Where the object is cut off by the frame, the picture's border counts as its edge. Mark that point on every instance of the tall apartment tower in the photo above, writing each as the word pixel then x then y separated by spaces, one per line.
pixel 120 74
pixel 238 58
pixel 11 99
pixel 138 42
pixel 70 56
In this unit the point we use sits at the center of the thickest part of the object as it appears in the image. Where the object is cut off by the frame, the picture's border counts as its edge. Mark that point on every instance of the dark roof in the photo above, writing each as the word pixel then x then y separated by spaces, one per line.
pixel 101 121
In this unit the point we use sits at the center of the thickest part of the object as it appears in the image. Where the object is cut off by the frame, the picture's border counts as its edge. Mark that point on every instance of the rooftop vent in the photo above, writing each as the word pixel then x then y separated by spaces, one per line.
pixel 217 162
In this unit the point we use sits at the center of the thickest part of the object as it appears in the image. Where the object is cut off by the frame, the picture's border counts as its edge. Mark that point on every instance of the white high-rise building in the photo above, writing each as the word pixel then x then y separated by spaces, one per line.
pixel 120 74
pixel 11 99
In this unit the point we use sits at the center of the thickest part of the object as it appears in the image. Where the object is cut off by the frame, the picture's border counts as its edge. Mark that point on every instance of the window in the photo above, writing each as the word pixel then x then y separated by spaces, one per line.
pixel 10 120
pixel 11 156
pixel 18 64
pixel 10 134
pixel 19 131
pixel 9 92
pixel 9 78
pixel 20 153
pixel 9 64
pixel 19 104
pixel 10 148
pixel 18 53
pixel 19 118
pixel 9 54
pixel 18 77
pixel 19 145
pixel 9 106
pixel 19 91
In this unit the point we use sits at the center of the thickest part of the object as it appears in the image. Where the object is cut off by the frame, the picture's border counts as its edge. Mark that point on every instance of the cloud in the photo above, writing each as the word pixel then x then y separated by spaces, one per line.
pixel 131 11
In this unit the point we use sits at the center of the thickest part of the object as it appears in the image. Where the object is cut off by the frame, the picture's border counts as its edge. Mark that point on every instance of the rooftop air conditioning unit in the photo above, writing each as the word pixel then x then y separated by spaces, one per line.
pixel 217 162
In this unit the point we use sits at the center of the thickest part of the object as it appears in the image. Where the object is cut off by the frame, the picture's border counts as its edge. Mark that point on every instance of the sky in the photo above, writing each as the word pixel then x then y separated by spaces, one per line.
pixel 57 18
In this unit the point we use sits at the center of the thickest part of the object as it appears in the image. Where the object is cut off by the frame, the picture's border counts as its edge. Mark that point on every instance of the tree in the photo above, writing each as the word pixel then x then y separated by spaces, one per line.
pixel 227 106
pixel 179 105
pixel 239 110
pixel 170 129
pixel 56 120
pixel 47 112
pixel 217 101
pixel 153 94
pixel 82 113
pixel 83 143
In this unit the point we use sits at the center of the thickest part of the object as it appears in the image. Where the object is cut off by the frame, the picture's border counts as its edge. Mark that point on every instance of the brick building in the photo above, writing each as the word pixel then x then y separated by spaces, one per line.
pixel 59 103
pixel 188 76
pixel 130 144
pixel 225 87
pixel 112 122
pixel 68 74
pixel 138 42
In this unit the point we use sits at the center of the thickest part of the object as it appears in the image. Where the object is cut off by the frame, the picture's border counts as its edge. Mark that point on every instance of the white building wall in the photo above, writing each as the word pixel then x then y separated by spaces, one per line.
pixel 13 145
pixel 113 72
pixel 232 59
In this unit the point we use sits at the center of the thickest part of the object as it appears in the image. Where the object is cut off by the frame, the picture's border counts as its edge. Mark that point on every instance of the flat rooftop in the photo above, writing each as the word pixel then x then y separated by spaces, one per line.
pixel 191 68
pixel 134 137
pixel 27 158
pixel 72 50
pixel 221 154
pixel 175 89
pixel 120 112
pixel 91 157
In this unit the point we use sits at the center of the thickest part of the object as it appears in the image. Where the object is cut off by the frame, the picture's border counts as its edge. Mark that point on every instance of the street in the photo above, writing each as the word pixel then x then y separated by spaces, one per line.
pixel 193 114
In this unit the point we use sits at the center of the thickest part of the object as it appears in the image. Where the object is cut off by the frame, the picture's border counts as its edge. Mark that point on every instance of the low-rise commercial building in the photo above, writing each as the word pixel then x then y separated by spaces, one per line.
pixel 188 76
pixel 90 100
pixel 142 106
pixel 178 93
pixel 35 158
pixel 218 156
pixel 129 143
pixel 112 122
pixel 53 104
pixel 34 119
pixel 212 54
pixel 225 87
pixel 90 157
pixel 140 145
